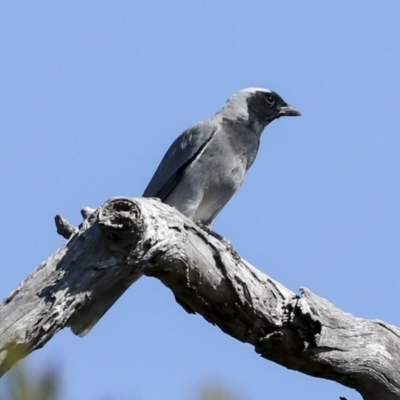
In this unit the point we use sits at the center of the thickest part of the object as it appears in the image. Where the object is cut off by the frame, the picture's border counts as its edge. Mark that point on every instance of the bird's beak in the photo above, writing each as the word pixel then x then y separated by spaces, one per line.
pixel 289 111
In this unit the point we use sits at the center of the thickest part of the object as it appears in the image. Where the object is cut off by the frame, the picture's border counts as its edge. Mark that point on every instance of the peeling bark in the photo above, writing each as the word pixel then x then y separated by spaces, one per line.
pixel 127 238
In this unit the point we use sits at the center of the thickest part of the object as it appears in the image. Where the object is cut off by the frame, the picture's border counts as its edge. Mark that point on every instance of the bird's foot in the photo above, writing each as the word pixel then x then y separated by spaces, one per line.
pixel 222 239
pixel 207 229
pixel 204 227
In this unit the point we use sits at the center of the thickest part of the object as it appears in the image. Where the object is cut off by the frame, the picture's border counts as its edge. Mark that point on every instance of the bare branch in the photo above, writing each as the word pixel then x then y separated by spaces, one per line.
pixel 64 228
pixel 126 238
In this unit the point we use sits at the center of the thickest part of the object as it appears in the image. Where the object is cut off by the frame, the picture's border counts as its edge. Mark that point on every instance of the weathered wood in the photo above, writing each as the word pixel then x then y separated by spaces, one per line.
pixel 126 238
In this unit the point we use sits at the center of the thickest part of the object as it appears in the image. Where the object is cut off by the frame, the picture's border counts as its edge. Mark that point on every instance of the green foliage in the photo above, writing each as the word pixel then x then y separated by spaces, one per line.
pixel 25 383
pixel 216 393
pixel 22 383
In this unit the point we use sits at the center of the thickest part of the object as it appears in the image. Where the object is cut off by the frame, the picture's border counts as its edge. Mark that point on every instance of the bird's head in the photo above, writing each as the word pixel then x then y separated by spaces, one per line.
pixel 256 108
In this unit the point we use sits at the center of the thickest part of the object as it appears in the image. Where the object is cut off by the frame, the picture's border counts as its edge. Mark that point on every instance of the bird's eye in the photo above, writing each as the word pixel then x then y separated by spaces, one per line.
pixel 270 100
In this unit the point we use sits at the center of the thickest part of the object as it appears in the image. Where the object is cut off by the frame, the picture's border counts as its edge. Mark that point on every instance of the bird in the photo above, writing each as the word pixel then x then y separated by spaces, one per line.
pixel 207 163
pixel 201 171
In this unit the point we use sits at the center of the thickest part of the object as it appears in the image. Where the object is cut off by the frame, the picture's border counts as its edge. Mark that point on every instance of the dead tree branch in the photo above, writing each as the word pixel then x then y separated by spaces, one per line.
pixel 126 238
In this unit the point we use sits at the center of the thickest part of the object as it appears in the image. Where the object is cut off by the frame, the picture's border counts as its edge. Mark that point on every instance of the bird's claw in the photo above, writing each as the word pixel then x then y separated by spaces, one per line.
pixel 222 239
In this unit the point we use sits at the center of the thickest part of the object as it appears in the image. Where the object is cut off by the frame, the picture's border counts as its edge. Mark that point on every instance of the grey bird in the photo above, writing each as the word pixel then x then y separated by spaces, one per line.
pixel 207 163
pixel 201 171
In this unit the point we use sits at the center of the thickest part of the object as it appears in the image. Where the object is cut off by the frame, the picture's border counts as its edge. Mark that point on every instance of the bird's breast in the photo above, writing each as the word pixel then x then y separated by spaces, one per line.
pixel 214 175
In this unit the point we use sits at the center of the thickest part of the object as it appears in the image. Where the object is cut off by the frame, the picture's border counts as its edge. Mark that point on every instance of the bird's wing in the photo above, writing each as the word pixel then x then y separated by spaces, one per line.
pixel 179 156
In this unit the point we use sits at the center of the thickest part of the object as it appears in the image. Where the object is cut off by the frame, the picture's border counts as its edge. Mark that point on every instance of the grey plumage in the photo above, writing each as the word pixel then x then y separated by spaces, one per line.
pixel 207 163
pixel 202 170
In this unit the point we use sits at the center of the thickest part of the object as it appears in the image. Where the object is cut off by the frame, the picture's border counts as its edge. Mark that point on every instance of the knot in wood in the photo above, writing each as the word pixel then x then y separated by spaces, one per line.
pixel 121 214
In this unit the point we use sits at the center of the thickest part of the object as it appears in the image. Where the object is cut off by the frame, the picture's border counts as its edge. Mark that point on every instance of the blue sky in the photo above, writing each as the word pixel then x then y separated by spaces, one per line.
pixel 92 94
